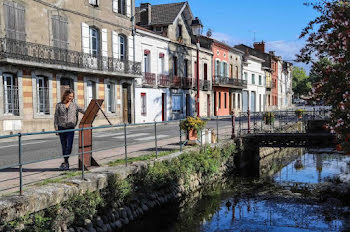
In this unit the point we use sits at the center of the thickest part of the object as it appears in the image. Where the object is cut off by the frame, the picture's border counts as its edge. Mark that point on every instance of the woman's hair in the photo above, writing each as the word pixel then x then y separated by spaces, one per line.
pixel 66 93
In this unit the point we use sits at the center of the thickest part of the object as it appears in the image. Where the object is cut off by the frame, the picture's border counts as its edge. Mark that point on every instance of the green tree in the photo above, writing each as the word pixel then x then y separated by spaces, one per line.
pixel 316 72
pixel 301 82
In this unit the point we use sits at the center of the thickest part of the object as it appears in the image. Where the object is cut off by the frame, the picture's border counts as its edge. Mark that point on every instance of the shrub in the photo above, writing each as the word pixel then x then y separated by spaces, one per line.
pixel 269 118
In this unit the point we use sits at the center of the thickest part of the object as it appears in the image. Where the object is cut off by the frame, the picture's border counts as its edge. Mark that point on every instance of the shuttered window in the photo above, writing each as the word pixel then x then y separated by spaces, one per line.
pixel 60 31
pixel 110 97
pixel 14 20
pixel 122 7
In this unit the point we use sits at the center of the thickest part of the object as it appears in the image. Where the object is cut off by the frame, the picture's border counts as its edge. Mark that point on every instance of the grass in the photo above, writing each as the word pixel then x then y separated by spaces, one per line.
pixel 141 158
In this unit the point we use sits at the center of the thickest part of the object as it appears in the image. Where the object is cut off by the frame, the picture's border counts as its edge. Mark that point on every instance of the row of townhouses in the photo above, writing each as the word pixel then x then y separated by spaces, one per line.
pixel 148 63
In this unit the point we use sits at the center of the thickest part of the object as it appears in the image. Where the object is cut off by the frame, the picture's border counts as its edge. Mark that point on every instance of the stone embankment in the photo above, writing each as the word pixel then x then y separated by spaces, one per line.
pixel 98 204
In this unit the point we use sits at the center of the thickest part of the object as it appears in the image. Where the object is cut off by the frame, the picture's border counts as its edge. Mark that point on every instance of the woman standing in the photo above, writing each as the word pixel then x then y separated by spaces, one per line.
pixel 66 117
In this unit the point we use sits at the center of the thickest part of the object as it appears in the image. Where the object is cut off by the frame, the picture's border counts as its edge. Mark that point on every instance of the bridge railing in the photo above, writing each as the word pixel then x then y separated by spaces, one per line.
pixel 277 121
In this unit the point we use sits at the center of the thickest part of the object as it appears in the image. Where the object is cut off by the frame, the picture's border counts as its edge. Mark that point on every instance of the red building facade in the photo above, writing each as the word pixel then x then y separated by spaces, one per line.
pixel 220 72
pixel 274 89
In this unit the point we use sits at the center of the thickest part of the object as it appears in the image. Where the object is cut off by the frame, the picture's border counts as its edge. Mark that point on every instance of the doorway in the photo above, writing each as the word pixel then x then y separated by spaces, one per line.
pixel 126 103
pixel 164 118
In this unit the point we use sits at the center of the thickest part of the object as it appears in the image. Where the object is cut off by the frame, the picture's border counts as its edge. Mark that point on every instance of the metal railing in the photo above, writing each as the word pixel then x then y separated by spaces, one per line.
pixel 149 79
pixel 11 100
pixel 224 127
pixel 43 54
pixel 163 80
pixel 226 81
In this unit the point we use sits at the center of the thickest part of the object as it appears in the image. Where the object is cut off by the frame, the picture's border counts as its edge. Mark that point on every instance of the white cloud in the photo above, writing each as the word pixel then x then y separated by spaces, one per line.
pixel 286 49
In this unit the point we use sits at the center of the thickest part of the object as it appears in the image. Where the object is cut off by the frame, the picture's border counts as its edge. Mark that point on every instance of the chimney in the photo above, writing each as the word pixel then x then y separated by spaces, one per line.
pixel 272 53
pixel 145 13
pixel 260 46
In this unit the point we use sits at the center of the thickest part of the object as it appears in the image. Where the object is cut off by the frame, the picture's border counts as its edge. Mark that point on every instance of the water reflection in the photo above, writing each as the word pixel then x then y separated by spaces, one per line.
pixel 314 168
pixel 270 215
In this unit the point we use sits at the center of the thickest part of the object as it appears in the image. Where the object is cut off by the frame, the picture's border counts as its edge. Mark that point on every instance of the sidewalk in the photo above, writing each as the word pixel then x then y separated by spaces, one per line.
pixel 48 170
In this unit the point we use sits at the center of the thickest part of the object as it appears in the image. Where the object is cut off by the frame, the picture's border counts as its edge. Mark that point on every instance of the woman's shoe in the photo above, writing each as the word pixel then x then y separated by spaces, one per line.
pixel 63 166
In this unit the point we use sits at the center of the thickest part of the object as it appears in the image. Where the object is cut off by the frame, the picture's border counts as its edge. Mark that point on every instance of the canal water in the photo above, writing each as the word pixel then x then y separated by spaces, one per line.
pixel 246 205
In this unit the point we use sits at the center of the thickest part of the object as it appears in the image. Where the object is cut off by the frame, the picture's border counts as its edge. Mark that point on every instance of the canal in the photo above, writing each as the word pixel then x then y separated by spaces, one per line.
pixel 244 204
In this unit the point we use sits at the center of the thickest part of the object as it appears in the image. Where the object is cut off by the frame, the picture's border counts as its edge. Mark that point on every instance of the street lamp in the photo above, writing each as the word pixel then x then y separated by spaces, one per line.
pixel 197 28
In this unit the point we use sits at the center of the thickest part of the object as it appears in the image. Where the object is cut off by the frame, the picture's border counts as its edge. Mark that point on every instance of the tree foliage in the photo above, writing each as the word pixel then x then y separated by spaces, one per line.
pixel 328 35
pixel 301 83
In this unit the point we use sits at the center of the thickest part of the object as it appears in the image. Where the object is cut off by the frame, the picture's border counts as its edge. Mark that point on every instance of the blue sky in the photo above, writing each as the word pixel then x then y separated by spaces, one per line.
pixel 277 22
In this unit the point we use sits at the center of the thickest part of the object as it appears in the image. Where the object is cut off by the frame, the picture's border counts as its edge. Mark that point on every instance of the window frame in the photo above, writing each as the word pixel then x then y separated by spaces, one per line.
pixel 46 99
pixel 13 85
pixel 179 96
pixel 94 52
pixel 122 46
pixel 143 104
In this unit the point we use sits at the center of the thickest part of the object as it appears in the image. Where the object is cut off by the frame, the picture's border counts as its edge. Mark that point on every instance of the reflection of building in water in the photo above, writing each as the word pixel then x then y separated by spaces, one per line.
pixel 319 164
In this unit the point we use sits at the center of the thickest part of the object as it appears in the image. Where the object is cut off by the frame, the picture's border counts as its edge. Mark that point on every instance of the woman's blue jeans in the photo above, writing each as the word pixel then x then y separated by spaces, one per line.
pixel 67 139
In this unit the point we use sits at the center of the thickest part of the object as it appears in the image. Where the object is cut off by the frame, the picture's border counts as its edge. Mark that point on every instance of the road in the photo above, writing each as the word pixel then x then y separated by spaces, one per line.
pixel 48 146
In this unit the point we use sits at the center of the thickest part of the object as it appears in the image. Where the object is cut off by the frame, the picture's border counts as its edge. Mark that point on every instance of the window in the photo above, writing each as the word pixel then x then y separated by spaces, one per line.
pixel 161 65
pixel 146 61
pixel 175 66
pixel 91 91
pixel 231 70
pixel 42 90
pixel 110 98
pixel 253 79
pixel 239 101
pixel 236 68
pixel 159 29
pixel 225 99
pixel 219 93
pixel 122 46
pixel 260 80
pixel 11 103
pixel 205 71
pixel 60 31
pixel 186 68
pixel 122 7
pixel 143 104
pixel 179 31
pixel 14 20
pixel 66 83
pixel 94 41
pixel 224 69
pixel 245 76
pixel 217 68
pixel 177 103
pixel 94 2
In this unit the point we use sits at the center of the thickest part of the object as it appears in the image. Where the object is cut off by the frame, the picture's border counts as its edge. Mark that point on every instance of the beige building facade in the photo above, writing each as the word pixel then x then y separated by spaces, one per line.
pixel 50 45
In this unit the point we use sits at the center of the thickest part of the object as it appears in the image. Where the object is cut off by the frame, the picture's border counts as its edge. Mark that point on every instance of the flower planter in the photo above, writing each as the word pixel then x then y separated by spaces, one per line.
pixel 192 135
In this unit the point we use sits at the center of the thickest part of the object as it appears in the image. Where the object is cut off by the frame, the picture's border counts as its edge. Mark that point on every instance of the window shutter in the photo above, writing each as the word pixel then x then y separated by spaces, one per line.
pixel 115 45
pixel 104 42
pixel 55 30
pixel 115 6
pixel 20 23
pixel 64 32
pixel 129 47
pixel 113 105
pixel 85 38
pixel 128 8
pixel 10 22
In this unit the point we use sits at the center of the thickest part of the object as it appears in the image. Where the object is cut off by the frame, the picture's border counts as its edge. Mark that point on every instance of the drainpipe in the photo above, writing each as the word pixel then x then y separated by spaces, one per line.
pixel 133 31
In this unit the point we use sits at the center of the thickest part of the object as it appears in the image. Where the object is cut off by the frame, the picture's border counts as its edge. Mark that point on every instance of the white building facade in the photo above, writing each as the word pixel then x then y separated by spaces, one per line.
pixel 152 97
pixel 253 96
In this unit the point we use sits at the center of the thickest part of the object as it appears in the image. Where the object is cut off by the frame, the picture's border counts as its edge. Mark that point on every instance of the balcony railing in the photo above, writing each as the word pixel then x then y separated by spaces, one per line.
pixel 203 84
pixel 149 79
pixel 187 83
pixel 176 82
pixel 229 82
pixel 164 80
pixel 32 52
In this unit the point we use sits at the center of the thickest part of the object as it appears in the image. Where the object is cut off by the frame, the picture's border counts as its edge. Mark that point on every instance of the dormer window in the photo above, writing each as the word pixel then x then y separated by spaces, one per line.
pixel 94 2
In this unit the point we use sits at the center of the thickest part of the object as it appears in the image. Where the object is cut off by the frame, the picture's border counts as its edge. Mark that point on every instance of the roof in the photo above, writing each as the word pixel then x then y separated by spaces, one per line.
pixel 253 52
pixel 163 14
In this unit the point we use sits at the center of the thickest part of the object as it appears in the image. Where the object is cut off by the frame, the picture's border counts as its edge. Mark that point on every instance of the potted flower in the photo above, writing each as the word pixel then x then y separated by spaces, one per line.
pixel 192 125
pixel 269 118
pixel 299 113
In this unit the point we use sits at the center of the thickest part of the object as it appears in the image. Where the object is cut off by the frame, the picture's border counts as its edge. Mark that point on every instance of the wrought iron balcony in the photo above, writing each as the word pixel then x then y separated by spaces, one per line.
pixel 187 83
pixel 38 53
pixel 149 79
pixel 229 82
pixel 164 80
pixel 203 84
pixel 176 82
